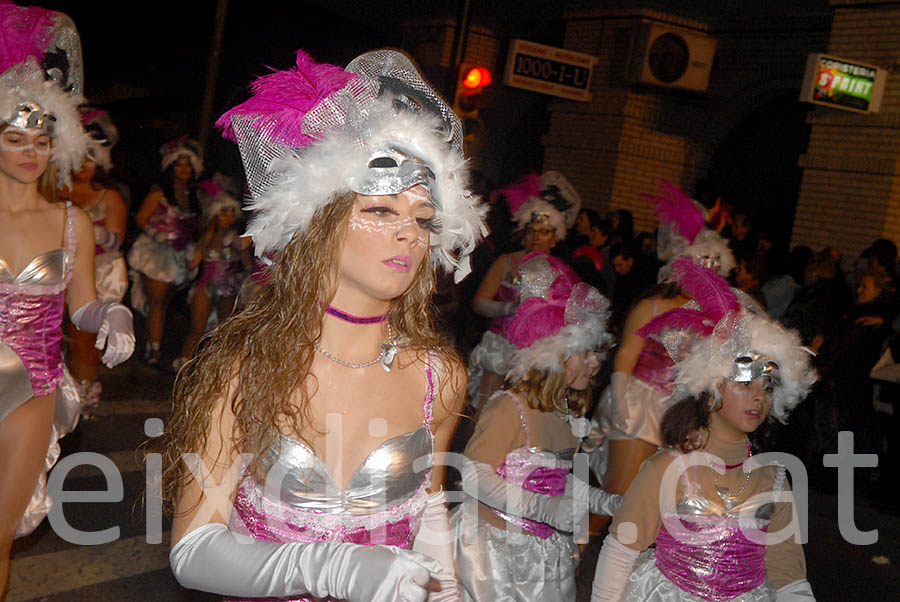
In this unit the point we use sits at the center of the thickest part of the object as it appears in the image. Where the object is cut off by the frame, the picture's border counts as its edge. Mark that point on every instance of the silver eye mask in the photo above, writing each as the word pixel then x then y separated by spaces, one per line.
pixel 748 368
pixel 30 116
pixel 391 171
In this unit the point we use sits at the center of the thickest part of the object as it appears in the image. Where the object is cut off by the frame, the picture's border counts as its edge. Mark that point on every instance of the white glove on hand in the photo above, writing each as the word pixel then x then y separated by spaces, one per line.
pixel 614 567
pixel 493 309
pixel 798 591
pixel 105 239
pixel 481 482
pixel 435 540
pixel 599 501
pixel 213 559
pixel 112 323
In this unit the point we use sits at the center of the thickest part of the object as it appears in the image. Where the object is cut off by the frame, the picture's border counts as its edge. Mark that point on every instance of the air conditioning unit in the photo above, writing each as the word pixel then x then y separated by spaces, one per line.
pixel 662 55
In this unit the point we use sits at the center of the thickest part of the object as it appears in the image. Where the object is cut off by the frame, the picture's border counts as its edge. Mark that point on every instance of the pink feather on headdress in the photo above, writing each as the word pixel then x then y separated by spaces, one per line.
pixel 673 206
pixel 281 99
pixel 706 287
pixel 24 32
pixel 519 193
pixel 87 116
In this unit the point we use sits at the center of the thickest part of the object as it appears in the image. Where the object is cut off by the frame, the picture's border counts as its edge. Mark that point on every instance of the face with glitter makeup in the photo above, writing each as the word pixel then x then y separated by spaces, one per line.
pixel 387 238
pixel 24 153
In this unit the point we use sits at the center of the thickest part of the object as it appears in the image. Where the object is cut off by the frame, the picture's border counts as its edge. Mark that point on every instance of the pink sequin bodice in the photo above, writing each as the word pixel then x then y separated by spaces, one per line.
pixel 711 558
pixel 533 470
pixel 31 310
pixel 171 226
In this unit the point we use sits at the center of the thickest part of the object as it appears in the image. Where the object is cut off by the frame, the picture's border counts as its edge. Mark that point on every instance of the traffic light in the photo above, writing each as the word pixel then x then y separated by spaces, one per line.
pixel 470 83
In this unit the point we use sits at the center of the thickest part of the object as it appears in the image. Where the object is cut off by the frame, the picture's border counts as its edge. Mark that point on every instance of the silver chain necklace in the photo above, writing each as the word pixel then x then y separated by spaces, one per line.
pixel 387 348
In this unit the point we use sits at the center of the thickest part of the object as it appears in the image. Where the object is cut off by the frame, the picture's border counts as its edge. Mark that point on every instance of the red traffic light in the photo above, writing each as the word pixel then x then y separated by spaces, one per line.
pixel 475 77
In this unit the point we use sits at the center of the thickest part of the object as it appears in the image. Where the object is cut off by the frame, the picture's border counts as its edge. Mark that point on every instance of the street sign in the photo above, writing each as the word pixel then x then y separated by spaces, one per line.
pixel 843 84
pixel 549 70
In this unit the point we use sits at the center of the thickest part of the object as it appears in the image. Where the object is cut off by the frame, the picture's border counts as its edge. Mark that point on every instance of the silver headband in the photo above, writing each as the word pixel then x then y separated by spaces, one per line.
pixel 748 368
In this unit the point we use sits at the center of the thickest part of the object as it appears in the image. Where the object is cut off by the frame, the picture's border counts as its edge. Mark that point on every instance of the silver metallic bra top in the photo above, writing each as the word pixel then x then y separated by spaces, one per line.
pixel 388 476
pixel 48 268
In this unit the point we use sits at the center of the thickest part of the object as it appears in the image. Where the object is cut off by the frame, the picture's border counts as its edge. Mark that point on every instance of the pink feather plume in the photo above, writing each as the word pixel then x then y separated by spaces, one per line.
pixel 706 287
pixel 677 319
pixel 24 32
pixel 673 206
pixel 519 193
pixel 210 187
pixel 281 99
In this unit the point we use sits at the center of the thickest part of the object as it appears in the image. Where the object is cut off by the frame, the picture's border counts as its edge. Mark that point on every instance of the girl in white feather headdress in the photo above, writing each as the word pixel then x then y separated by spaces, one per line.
pixel 332 382
pixel 722 523
pixel 46 260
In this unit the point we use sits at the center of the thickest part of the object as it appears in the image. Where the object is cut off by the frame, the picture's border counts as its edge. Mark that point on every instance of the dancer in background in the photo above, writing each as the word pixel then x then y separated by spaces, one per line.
pixel 630 409
pixel 46 261
pixel 159 257
pixel 94 191
pixel 333 378
pixel 544 208
pixel 721 528
pixel 224 259
pixel 524 442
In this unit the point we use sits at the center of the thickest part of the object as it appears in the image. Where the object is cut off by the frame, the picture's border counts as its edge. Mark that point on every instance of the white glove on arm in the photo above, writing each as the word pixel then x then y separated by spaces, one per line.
pixel 493 309
pixel 112 323
pixel 481 482
pixel 614 567
pixel 435 540
pixel 103 238
pixel 798 591
pixel 213 559
pixel 600 501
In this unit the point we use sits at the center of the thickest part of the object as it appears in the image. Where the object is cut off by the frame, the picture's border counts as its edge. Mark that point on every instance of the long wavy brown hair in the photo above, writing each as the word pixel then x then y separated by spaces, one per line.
pixel 547 391
pixel 267 349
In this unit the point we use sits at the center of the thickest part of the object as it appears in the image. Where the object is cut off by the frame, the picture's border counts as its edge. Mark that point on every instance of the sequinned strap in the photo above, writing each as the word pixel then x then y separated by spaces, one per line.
pixel 518 401
pixel 778 484
pixel 69 237
pixel 429 392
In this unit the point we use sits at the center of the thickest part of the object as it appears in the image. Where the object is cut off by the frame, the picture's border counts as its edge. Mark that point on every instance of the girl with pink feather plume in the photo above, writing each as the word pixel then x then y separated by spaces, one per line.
pixel 46 261
pixel 628 415
pixel 303 457
pixel 721 521
pixel 223 257
pixel 544 208
pixel 513 534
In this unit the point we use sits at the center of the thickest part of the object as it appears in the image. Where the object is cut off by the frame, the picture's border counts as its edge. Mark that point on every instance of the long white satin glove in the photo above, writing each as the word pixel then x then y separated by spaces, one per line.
pixel 112 323
pixel 213 559
pixel 105 239
pixel 493 309
pixel 600 501
pixel 435 540
pixel 798 591
pixel 481 482
pixel 614 567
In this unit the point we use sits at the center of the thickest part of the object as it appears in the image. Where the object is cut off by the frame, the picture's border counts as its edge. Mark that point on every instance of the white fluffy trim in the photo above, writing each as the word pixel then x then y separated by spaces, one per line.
pixel 549 353
pixel 25 82
pixel 310 179
pixel 537 205
pixel 711 360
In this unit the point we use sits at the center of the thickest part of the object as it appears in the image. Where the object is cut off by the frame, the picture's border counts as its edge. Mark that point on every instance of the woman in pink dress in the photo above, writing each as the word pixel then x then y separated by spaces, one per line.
pixel 46 261
pixel 321 409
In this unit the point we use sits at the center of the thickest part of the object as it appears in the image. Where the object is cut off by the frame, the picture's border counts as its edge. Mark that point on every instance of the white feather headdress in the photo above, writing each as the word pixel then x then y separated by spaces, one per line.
pixel 308 133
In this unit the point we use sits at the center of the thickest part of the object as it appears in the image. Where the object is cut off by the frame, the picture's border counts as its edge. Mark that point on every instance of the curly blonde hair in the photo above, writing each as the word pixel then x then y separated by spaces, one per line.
pixel 278 329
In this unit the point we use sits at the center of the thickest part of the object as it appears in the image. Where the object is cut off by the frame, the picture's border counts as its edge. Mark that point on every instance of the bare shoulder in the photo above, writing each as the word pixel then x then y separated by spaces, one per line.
pixel 451 379
pixel 81 221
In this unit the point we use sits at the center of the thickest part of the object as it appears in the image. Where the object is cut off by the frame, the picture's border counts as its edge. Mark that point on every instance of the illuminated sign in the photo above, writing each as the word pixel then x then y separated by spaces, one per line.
pixel 843 84
pixel 549 70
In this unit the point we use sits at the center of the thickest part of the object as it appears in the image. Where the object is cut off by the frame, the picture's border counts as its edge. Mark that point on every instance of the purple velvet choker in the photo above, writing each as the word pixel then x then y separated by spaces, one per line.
pixel 333 311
